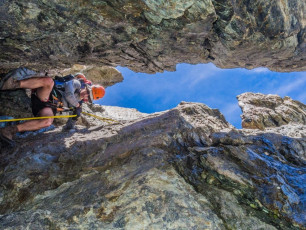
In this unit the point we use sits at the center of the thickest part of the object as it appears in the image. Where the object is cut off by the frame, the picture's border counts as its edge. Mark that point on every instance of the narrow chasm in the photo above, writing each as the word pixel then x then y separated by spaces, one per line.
pixel 100 166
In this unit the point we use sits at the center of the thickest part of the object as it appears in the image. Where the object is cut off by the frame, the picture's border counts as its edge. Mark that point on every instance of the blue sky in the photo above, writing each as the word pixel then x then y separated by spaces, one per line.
pixel 203 83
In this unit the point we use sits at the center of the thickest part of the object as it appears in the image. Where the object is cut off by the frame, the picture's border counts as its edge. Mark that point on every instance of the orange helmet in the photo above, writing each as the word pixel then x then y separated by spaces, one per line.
pixel 96 92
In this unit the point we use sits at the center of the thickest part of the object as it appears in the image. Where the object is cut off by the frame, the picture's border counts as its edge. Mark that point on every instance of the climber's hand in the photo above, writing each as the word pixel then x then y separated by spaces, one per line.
pixel 78 111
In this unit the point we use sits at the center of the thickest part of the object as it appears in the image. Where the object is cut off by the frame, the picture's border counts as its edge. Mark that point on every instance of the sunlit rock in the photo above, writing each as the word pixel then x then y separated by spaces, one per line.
pixel 182 168
pixel 185 168
pixel 262 111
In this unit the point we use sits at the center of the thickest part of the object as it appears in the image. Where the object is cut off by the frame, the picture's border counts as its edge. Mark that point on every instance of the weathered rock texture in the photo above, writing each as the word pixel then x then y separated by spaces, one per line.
pixel 105 75
pixel 186 168
pixel 261 111
pixel 15 103
pixel 153 36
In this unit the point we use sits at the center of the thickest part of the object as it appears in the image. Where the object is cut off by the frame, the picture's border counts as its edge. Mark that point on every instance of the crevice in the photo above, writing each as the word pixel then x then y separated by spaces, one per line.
pixel 144 54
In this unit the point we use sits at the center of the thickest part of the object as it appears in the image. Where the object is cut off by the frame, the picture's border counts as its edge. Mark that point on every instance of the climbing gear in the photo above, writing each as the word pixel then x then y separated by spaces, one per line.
pixel 55 99
pixel 95 92
pixel 55 103
pixel 108 120
pixel 78 111
pixel 59 89
pixel 37 118
pixel 60 80
pixel 7 134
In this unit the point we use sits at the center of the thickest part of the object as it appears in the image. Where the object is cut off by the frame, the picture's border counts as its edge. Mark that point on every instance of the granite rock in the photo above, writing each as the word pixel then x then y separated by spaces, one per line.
pixel 104 75
pixel 262 111
pixel 152 36
pixel 185 168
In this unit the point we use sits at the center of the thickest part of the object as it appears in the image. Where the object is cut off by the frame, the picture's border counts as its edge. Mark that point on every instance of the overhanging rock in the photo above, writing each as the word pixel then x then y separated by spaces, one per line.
pixel 153 36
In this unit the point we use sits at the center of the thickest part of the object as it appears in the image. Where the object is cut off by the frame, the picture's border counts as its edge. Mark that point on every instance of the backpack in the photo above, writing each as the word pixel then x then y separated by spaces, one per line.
pixel 60 81
pixel 55 100
pixel 59 89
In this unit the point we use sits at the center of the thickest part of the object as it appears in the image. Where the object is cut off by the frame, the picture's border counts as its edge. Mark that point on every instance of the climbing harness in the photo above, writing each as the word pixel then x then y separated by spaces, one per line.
pixel 55 103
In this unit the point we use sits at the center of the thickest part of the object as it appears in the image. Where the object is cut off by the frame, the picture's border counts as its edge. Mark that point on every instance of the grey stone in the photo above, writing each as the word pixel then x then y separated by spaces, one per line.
pixel 263 111
pixel 152 36
pixel 186 168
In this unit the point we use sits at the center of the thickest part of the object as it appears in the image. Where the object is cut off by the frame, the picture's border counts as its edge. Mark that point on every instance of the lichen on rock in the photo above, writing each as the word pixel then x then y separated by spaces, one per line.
pixel 182 168
pixel 263 111
pixel 185 168
pixel 152 36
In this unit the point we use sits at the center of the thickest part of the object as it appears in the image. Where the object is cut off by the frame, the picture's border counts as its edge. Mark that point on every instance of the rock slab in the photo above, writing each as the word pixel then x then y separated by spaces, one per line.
pixel 186 168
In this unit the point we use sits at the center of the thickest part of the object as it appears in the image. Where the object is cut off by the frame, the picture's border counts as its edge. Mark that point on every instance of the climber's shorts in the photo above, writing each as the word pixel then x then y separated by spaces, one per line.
pixel 38 105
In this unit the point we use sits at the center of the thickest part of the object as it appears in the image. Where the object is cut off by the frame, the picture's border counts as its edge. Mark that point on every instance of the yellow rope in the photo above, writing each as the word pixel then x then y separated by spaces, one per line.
pixel 37 118
pixel 100 118
pixel 64 116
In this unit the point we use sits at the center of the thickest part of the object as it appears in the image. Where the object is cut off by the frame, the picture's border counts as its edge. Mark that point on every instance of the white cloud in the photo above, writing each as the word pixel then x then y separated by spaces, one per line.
pixel 198 78
pixel 260 70
pixel 201 72
pixel 284 90
pixel 302 97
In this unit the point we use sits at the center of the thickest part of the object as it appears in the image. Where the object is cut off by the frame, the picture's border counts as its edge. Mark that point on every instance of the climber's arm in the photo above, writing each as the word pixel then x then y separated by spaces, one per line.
pixel 70 88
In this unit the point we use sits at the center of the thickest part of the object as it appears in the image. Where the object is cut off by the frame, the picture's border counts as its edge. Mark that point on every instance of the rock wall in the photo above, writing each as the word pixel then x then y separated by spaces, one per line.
pixel 153 36
pixel 16 104
pixel 262 111
pixel 105 75
pixel 186 168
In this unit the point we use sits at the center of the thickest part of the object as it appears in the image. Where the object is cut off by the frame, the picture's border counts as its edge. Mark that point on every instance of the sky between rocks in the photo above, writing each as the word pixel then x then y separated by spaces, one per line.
pixel 203 83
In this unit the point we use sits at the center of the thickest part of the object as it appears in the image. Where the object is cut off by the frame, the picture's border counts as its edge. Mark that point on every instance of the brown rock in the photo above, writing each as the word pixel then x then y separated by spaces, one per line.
pixel 105 75
pixel 149 36
pixel 261 111
pixel 182 168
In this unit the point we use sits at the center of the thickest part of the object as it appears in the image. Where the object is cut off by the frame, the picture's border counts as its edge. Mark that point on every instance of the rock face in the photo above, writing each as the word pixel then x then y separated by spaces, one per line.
pixel 186 168
pixel 263 111
pixel 153 36
pixel 105 75
pixel 15 103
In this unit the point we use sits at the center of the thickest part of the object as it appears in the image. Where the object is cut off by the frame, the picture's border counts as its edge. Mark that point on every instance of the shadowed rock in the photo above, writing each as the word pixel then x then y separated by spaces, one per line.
pixel 186 168
pixel 105 75
pixel 183 168
pixel 153 36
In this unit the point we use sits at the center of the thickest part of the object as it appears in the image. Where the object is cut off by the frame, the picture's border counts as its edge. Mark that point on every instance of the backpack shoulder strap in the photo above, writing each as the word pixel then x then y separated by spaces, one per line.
pixel 64 79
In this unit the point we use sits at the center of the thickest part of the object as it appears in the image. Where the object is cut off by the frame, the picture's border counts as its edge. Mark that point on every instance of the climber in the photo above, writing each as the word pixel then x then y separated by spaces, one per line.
pixel 71 93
